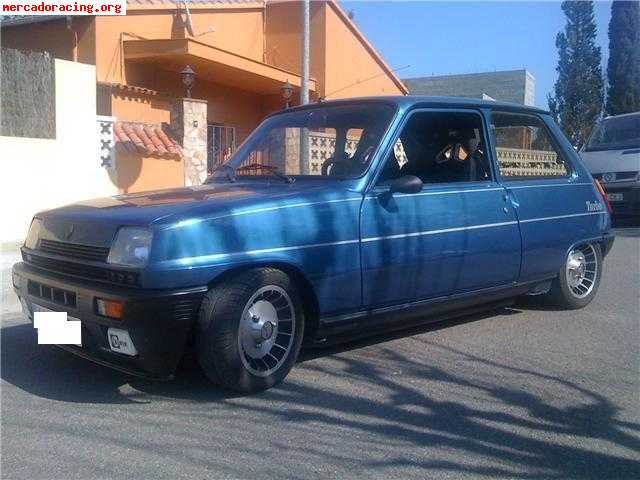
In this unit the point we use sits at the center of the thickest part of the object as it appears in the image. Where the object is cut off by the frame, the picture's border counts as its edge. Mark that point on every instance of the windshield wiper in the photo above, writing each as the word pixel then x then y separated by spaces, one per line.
pixel 269 168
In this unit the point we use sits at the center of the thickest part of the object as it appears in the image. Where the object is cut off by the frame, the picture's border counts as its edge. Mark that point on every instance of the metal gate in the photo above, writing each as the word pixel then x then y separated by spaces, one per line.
pixel 221 143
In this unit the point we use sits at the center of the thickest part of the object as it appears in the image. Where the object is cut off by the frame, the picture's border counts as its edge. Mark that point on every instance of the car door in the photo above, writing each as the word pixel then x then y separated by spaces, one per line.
pixel 459 234
pixel 557 202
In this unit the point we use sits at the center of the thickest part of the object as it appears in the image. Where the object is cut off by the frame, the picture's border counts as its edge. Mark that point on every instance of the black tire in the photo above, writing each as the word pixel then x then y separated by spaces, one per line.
pixel 562 294
pixel 218 347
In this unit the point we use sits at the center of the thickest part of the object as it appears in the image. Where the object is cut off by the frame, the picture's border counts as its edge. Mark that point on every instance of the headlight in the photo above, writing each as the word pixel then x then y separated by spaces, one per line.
pixel 33 236
pixel 131 247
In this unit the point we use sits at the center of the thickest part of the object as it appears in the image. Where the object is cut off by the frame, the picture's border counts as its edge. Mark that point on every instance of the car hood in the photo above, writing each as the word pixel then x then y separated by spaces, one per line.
pixel 612 160
pixel 96 221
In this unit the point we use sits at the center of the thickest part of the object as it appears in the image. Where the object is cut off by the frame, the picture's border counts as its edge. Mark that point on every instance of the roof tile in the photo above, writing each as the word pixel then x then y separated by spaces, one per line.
pixel 145 139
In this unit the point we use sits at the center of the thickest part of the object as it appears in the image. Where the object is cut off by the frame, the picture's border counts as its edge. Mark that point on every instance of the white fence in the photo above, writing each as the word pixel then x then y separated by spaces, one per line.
pixel 516 162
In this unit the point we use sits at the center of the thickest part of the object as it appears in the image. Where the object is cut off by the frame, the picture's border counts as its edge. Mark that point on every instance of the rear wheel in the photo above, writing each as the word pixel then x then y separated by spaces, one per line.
pixel 250 330
pixel 579 279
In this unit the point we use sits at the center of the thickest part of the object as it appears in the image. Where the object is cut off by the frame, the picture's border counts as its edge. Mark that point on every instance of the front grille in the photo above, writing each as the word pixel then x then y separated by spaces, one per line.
pixel 75 250
pixel 119 277
pixel 52 294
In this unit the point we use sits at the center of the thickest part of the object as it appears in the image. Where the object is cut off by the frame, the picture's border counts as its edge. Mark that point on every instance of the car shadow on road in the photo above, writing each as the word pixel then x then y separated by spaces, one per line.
pixel 49 372
pixel 515 430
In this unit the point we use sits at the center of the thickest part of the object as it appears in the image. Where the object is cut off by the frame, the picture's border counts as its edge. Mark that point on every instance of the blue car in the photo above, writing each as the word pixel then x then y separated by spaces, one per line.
pixel 341 217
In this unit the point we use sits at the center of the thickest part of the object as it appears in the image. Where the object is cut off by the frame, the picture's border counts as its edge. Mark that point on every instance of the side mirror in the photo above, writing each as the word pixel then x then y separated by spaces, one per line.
pixel 405 184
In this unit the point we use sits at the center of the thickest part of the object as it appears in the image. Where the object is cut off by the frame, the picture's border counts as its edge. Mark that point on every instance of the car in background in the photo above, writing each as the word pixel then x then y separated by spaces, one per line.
pixel 612 155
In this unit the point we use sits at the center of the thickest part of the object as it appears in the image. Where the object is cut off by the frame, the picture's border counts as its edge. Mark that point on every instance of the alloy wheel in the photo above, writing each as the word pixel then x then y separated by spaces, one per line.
pixel 266 331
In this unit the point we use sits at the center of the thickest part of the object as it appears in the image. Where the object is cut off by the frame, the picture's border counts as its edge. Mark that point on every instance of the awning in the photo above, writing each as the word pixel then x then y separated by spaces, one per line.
pixel 212 64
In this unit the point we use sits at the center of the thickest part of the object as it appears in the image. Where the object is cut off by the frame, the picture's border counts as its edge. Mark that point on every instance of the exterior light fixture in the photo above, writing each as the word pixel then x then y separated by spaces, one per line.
pixel 188 78
pixel 287 92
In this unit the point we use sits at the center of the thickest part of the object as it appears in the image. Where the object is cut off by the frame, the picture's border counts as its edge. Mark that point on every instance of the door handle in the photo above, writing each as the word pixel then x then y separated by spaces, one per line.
pixel 511 197
pixel 505 199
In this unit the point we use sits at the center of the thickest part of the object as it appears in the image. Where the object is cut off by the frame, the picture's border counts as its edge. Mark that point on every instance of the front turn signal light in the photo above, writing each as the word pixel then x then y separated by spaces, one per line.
pixel 110 308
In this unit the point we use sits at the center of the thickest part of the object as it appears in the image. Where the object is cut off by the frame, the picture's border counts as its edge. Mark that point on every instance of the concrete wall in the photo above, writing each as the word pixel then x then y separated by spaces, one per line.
pixel 283 38
pixel 40 174
pixel 341 61
pixel 236 30
pixel 139 173
pixel 516 86
pixel 351 69
pixel 74 40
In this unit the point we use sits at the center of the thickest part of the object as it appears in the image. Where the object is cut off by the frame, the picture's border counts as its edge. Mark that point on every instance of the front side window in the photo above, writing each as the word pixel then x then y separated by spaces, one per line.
pixel 524 147
pixel 439 147
pixel 325 141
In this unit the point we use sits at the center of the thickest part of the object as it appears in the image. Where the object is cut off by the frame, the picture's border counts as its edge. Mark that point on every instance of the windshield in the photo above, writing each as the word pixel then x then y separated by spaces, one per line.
pixel 331 141
pixel 616 133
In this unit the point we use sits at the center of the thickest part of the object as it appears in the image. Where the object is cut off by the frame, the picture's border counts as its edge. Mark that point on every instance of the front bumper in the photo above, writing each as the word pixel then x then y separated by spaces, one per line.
pixel 158 321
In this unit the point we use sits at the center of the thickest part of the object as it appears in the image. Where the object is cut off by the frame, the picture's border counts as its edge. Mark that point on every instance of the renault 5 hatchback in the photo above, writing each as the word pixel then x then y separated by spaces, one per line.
pixel 340 217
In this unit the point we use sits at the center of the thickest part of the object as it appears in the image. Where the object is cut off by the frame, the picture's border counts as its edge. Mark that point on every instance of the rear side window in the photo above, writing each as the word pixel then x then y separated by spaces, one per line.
pixel 524 147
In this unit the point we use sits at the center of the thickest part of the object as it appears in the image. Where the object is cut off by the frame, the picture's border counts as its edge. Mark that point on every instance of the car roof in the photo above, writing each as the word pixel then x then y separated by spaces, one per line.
pixel 428 101
pixel 630 114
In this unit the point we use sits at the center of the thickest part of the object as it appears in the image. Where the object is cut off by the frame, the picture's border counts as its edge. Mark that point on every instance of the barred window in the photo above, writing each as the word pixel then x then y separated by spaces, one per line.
pixel 524 147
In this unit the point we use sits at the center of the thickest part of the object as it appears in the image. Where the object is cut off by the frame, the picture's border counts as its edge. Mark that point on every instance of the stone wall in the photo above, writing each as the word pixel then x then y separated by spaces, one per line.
pixel 189 125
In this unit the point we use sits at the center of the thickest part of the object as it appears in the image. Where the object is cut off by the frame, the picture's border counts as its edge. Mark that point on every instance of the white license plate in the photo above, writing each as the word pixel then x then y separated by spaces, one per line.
pixel 615 197
pixel 120 341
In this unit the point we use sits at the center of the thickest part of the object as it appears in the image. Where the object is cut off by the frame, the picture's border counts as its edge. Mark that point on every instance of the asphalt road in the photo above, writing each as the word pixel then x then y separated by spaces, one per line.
pixel 520 393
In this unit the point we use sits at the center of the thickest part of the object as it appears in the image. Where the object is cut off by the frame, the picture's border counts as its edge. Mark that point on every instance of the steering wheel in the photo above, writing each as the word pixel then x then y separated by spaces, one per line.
pixel 339 165
pixel 324 169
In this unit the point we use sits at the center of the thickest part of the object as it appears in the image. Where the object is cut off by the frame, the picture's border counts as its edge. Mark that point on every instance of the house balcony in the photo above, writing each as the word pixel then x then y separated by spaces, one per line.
pixel 213 64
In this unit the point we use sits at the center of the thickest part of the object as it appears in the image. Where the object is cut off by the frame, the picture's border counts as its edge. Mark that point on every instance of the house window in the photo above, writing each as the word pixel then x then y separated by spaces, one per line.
pixel 524 148
pixel 221 143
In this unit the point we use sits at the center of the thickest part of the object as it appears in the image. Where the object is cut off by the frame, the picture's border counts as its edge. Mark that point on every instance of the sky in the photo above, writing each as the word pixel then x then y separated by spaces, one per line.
pixel 440 38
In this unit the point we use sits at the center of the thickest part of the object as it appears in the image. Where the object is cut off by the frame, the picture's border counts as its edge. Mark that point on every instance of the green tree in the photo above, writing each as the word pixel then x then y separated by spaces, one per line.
pixel 578 97
pixel 623 69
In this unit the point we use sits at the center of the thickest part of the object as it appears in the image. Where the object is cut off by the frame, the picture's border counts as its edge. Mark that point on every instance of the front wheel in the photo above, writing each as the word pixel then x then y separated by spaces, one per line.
pixel 250 330
pixel 579 279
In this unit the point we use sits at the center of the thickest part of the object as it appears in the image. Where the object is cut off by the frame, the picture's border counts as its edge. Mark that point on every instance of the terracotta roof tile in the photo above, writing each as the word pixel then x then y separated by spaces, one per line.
pixel 146 139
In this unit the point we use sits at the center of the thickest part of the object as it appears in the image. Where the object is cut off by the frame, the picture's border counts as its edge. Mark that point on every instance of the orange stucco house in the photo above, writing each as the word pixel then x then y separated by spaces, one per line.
pixel 243 52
